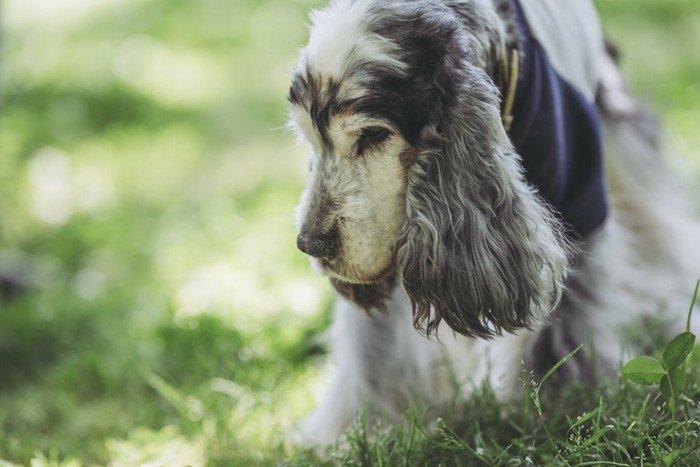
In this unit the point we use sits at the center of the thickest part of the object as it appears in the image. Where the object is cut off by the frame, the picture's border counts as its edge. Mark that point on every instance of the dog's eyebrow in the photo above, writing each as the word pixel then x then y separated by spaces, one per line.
pixel 352 104
pixel 346 106
pixel 346 110
pixel 359 121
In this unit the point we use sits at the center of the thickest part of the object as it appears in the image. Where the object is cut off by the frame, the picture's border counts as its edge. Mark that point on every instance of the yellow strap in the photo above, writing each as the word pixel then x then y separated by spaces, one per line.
pixel 508 81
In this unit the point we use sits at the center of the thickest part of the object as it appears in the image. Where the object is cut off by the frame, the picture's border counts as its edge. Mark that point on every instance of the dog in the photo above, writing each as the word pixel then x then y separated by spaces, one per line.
pixel 459 202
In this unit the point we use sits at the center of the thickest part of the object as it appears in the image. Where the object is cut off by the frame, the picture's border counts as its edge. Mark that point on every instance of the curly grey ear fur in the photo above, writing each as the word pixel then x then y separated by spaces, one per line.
pixel 479 249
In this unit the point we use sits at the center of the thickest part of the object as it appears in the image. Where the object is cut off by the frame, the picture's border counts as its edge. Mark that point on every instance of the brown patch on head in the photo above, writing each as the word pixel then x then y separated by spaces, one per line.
pixel 318 96
pixel 346 108
pixel 407 157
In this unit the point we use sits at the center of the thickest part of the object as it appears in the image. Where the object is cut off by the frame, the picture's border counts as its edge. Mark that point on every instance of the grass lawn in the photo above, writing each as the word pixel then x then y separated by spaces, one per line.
pixel 153 306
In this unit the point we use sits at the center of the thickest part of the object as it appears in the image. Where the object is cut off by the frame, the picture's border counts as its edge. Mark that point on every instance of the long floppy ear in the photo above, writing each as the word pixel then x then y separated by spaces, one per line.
pixel 479 249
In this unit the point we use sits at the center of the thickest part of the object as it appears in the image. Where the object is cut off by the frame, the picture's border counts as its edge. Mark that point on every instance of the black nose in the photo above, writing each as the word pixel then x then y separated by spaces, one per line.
pixel 322 245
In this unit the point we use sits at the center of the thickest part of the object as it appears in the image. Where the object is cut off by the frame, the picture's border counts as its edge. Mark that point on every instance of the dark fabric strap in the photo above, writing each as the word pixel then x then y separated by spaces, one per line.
pixel 557 132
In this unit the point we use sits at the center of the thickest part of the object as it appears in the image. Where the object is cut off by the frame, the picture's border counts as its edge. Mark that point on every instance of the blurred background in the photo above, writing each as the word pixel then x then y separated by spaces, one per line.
pixel 153 305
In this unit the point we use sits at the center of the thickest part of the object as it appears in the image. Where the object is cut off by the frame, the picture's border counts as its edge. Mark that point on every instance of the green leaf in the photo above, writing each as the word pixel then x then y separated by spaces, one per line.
pixel 672 457
pixel 644 370
pixel 675 378
pixel 678 349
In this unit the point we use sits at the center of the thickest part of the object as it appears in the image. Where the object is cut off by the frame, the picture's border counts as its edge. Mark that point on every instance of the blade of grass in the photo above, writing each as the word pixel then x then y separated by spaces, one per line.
pixel 692 305
pixel 559 364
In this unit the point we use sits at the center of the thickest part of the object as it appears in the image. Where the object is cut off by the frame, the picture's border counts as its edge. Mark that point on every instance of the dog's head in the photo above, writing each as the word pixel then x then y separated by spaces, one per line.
pixel 412 174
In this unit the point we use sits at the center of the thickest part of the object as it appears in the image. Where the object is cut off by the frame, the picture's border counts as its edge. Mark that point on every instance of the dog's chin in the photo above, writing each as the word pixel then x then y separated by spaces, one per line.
pixel 338 271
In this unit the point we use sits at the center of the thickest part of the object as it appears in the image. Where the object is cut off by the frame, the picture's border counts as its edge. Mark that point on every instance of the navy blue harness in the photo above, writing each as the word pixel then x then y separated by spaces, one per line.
pixel 557 132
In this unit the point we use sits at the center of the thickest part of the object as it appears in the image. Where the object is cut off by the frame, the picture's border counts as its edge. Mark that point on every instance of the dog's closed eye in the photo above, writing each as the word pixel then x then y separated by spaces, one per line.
pixel 371 137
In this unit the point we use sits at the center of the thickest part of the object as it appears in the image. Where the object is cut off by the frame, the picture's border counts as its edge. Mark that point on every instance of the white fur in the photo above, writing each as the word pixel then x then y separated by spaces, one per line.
pixel 339 41
pixel 409 368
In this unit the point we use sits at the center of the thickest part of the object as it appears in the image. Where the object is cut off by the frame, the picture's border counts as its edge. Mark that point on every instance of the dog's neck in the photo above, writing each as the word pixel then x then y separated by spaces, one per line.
pixel 367 296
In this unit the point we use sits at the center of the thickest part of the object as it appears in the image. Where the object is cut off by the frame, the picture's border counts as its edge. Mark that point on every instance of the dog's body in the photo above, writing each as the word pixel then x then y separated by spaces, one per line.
pixel 420 211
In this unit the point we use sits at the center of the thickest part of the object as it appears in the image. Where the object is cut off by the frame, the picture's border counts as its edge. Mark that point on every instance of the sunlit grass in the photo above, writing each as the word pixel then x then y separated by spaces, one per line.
pixel 153 305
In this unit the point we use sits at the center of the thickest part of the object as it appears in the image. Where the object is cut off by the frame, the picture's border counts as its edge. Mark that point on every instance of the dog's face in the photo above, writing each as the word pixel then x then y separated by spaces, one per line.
pixel 354 206
pixel 412 174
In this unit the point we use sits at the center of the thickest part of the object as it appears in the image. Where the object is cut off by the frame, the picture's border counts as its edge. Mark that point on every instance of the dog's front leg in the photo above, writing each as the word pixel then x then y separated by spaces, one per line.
pixel 378 363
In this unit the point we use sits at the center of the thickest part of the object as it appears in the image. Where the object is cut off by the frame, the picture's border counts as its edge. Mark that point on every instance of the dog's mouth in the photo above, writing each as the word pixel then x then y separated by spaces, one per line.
pixel 334 269
pixel 337 270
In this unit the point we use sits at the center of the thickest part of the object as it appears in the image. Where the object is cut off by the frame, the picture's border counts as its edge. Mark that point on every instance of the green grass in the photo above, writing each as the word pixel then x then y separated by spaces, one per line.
pixel 616 425
pixel 153 306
